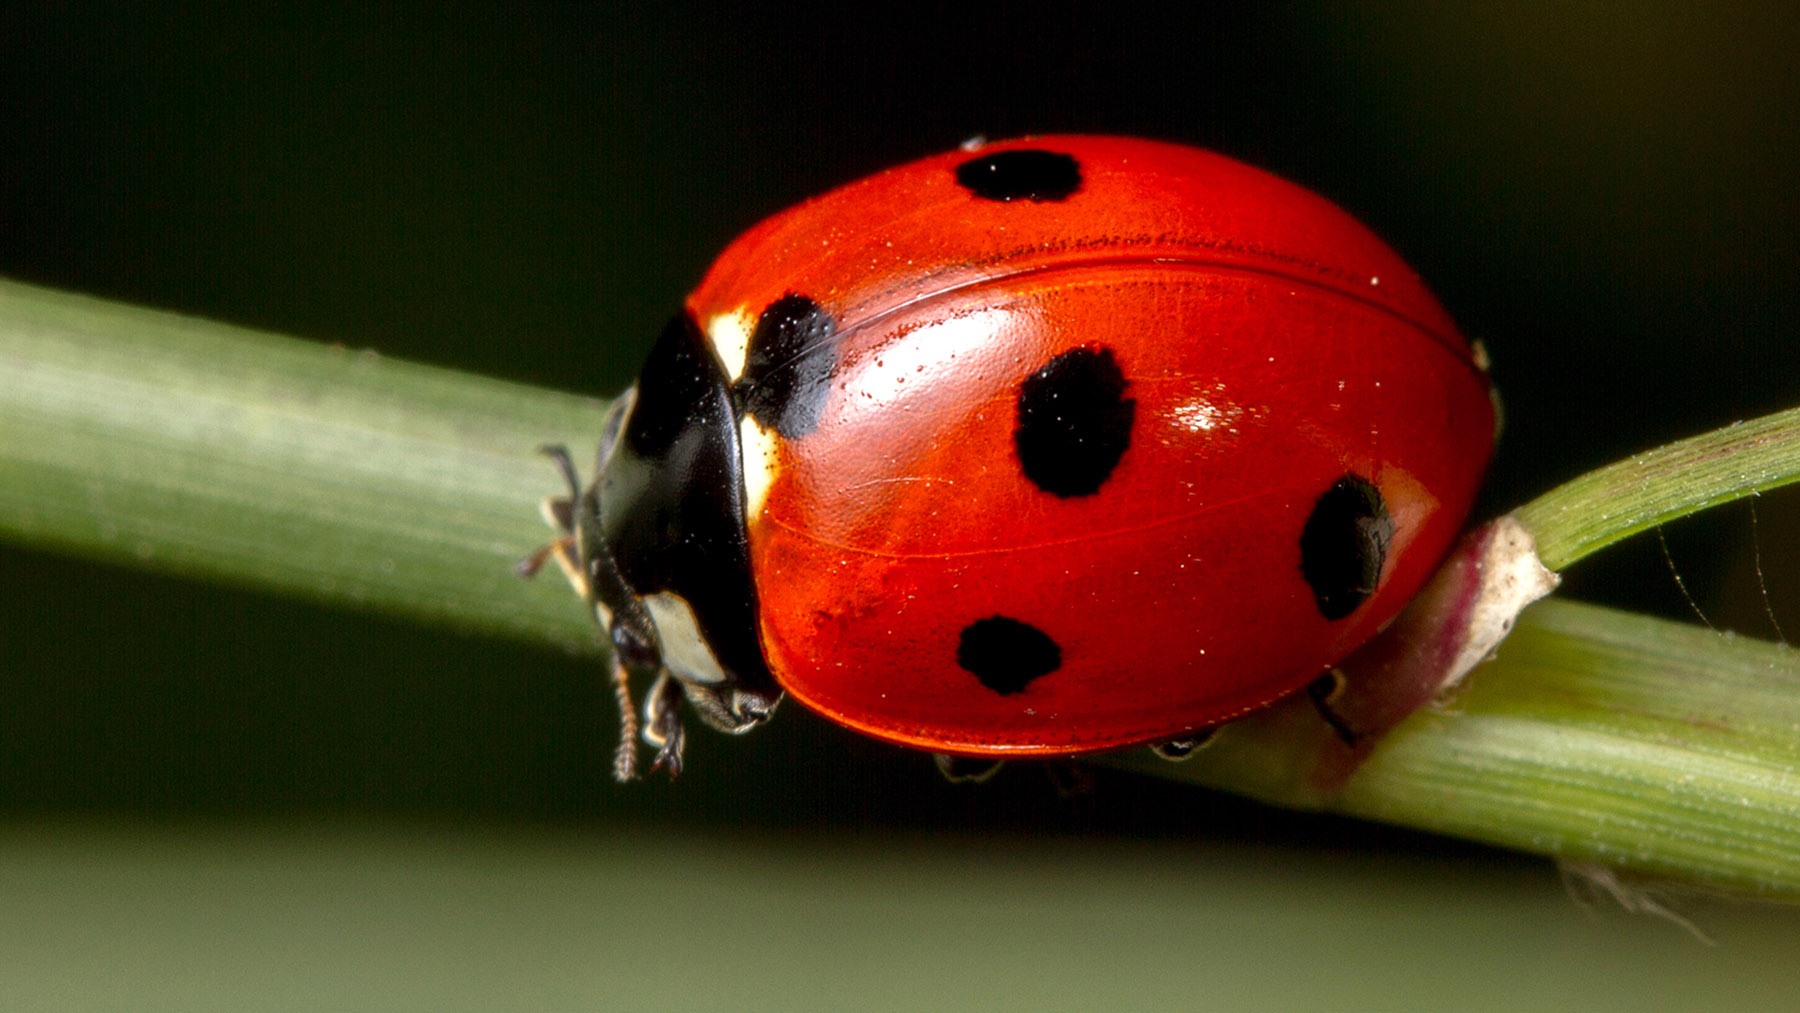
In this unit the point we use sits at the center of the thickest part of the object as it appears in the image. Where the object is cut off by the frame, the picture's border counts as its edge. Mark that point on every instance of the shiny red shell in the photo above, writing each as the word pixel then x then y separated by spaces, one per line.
pixel 1272 348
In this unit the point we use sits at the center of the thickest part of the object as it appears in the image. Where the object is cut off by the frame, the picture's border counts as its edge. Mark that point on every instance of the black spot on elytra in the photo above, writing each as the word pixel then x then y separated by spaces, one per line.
pixel 1074 422
pixel 787 368
pixel 1031 174
pixel 1344 545
pixel 1006 654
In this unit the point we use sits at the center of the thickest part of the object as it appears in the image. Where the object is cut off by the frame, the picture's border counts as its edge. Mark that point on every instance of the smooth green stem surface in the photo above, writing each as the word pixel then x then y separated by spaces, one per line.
pixel 1595 735
pixel 168 442
pixel 183 445
pixel 1612 738
pixel 1603 506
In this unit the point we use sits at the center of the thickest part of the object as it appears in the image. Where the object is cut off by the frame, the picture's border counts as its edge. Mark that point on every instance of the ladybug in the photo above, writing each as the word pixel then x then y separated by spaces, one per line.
pixel 1035 448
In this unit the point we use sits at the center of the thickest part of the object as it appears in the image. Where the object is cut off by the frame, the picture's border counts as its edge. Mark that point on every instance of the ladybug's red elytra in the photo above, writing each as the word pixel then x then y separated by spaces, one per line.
pixel 1034 448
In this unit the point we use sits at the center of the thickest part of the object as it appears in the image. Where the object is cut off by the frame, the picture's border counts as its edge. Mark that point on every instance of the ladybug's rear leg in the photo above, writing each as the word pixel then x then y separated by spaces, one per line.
pixel 1176 750
pixel 1322 692
pixel 966 769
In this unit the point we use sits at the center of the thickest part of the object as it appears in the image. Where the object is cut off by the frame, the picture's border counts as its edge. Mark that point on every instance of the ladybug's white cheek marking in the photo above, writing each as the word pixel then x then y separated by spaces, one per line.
pixel 758 446
pixel 730 337
pixel 685 652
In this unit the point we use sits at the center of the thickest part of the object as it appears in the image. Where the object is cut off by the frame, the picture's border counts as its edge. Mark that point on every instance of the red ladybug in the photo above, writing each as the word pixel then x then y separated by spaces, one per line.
pixel 1035 448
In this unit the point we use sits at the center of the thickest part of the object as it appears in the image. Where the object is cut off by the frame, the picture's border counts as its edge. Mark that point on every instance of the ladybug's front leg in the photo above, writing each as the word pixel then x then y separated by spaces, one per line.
pixel 662 723
pixel 559 513
pixel 590 566
pixel 728 707
pixel 625 755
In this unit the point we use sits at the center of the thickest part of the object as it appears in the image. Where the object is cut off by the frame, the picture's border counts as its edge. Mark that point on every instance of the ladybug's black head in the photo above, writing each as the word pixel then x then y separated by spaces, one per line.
pixel 669 510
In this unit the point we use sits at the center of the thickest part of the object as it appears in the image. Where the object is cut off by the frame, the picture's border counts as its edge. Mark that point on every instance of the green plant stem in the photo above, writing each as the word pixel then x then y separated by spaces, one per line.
pixel 1665 748
pixel 167 442
pixel 1596 735
pixel 178 444
pixel 1615 502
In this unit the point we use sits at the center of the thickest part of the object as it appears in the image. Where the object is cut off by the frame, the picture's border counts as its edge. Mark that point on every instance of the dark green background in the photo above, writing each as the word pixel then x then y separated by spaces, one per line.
pixel 1607 195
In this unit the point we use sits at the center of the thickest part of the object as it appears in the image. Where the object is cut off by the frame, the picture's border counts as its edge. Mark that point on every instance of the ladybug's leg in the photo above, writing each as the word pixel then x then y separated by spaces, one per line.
pixel 1070 778
pixel 1176 750
pixel 559 513
pixel 585 556
pixel 625 754
pixel 635 650
pixel 563 548
pixel 966 769
pixel 662 723
pixel 1322 691
pixel 731 708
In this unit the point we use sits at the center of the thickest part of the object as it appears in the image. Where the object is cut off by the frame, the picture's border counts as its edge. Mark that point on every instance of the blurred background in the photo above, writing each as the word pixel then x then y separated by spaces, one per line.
pixel 1607 195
